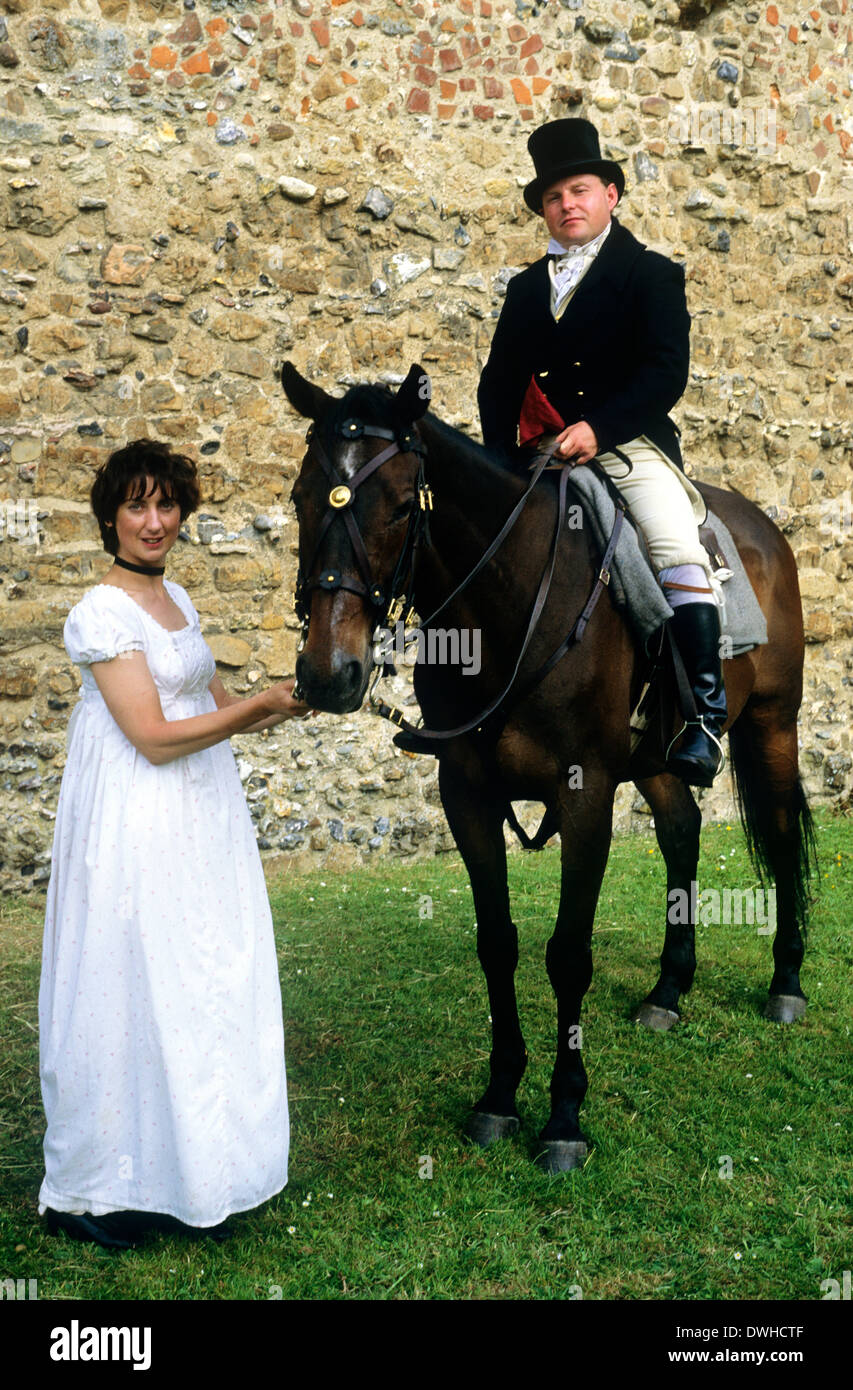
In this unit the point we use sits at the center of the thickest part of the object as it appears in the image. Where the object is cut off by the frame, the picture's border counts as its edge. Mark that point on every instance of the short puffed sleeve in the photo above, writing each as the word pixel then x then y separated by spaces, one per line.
pixel 102 625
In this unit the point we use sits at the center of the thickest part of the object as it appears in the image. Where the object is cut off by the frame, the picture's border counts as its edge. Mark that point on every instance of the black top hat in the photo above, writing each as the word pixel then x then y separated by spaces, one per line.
pixel 565 147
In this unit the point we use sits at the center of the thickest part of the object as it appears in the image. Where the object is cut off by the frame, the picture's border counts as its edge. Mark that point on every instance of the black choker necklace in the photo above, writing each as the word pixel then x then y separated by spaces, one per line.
pixel 139 569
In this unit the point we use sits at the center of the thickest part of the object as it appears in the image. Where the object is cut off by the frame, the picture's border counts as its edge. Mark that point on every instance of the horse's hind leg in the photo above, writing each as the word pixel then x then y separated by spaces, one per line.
pixel 780 836
pixel 677 824
pixel 475 816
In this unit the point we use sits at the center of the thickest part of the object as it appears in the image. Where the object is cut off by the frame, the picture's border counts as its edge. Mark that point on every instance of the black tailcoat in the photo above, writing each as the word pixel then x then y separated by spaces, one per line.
pixel 618 358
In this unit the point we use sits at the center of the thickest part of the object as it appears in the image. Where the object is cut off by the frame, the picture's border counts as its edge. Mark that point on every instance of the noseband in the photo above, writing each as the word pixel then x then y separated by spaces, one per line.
pixel 387 606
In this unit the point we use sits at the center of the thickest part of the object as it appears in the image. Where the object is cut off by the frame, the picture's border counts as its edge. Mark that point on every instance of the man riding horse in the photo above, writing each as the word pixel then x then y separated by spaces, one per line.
pixel 592 345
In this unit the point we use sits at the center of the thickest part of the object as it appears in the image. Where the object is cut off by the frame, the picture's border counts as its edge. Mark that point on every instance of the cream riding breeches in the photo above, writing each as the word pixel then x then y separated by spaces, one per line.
pixel 662 501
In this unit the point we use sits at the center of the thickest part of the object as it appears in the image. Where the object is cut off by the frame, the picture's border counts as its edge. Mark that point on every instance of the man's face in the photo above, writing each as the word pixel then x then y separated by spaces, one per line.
pixel 578 208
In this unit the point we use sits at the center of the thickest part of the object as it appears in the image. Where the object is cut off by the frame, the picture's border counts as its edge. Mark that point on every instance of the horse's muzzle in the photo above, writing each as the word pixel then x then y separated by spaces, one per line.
pixel 337 686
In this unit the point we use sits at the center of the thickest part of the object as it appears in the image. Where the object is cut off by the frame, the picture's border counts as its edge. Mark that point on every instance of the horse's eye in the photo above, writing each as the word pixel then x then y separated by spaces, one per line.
pixel 402 512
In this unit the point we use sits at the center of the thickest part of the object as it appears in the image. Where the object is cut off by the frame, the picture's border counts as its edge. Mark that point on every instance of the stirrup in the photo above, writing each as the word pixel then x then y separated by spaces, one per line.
pixel 713 737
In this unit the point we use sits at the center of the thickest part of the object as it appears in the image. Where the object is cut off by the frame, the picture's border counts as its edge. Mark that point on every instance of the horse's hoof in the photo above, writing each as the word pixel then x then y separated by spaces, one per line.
pixel 654 1017
pixel 562 1155
pixel 784 1008
pixel 484 1128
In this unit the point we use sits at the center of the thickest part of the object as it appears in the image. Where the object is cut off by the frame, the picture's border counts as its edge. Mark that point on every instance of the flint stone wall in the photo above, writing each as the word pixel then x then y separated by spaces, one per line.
pixel 191 192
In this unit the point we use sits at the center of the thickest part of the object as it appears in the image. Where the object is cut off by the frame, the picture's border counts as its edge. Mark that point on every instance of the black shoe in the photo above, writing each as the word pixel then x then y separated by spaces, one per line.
pixel 219 1233
pixel 696 629
pixel 111 1231
pixel 173 1226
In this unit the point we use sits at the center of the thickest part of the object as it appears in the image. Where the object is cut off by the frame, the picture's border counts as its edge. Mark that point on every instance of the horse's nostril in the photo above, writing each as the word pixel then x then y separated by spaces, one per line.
pixel 346 670
pixel 353 674
pixel 335 684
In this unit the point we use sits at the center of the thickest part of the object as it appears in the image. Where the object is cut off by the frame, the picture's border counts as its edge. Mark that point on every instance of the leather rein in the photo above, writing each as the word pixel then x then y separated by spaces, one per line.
pixel 391 605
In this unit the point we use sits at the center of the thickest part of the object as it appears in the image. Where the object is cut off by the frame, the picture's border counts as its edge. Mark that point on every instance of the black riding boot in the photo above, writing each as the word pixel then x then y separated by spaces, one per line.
pixel 696 629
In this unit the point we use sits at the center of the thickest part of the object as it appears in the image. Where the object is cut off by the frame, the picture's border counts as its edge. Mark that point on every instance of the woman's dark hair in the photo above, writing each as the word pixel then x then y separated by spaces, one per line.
pixel 124 474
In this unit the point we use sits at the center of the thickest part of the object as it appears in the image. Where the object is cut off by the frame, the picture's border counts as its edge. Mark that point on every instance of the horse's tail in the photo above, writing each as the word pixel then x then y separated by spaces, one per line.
pixel 778 824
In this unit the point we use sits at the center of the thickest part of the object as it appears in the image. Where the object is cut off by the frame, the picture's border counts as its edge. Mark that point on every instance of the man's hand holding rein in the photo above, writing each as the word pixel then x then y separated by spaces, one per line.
pixel 577 444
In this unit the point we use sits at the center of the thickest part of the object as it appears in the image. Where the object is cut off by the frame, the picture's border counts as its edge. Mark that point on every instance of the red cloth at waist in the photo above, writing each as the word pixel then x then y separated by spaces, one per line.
pixel 538 416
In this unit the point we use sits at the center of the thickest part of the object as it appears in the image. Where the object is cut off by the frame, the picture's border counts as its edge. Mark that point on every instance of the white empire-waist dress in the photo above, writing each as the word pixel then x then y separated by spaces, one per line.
pixel 161 1036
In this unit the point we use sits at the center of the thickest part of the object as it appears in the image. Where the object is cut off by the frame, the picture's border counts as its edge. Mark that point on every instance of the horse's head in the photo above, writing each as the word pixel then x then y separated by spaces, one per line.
pixel 359 499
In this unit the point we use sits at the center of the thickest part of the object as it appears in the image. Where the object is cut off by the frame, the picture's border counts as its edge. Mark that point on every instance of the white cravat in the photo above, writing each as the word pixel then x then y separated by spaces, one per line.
pixel 568 268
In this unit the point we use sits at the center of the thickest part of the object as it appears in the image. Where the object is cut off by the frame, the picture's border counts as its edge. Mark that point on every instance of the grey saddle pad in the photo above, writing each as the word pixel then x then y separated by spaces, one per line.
pixel 635 589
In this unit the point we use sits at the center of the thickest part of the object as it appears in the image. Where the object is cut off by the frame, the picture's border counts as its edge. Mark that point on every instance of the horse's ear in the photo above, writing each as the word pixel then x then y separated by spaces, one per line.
pixel 310 401
pixel 413 398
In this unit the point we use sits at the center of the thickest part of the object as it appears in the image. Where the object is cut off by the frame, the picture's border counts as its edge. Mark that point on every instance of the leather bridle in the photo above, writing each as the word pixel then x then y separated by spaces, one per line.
pixel 387 605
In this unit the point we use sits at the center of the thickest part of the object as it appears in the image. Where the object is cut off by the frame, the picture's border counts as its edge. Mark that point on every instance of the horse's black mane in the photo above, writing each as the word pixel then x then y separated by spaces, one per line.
pixel 373 404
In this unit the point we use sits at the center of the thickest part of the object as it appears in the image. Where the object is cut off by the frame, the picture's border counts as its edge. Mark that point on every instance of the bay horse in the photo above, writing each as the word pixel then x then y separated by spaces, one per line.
pixel 390 496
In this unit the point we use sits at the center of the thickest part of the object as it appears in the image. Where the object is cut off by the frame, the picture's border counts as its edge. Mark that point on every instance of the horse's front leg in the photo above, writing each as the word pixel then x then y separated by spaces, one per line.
pixel 474 813
pixel 585 824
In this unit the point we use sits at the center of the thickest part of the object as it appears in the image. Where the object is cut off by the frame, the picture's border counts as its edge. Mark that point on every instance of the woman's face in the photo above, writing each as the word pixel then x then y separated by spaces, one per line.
pixel 147 524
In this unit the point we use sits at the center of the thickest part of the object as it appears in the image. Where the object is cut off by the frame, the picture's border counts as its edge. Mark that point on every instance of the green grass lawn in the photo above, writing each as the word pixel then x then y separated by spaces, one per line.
pixel 387 1043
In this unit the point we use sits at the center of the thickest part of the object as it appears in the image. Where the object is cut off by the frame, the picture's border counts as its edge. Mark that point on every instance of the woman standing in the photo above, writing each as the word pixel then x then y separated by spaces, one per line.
pixel 161 1040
